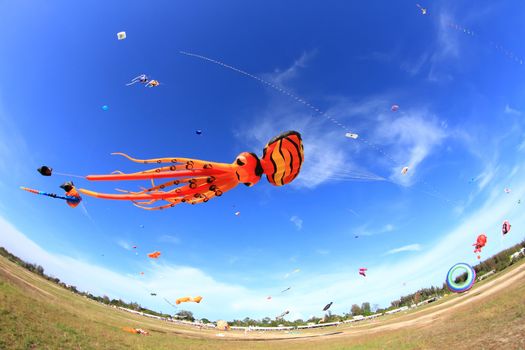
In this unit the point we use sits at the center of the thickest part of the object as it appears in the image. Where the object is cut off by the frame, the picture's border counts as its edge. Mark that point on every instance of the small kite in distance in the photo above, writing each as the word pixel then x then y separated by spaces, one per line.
pixel 505 228
pixel 351 135
pixel 141 79
pixel 362 271
pixel 481 241
pixel 45 170
pixel 196 299
pixel 152 83
pixel 154 255
pixel 422 9
pixel 328 306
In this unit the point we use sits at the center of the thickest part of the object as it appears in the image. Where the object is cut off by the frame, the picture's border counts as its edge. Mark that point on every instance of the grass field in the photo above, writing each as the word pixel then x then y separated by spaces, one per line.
pixel 37 314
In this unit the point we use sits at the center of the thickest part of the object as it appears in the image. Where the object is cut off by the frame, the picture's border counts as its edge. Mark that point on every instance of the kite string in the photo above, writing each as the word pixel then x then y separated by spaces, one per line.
pixel 509 54
pixel 70 175
pixel 307 104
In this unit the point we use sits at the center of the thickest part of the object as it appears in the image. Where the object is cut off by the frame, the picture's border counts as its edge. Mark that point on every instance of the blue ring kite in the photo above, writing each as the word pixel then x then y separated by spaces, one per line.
pixel 461 286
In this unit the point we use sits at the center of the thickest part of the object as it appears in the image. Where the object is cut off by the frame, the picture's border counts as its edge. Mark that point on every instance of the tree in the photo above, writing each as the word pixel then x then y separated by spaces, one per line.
pixel 375 307
pixel 185 315
pixel 356 310
pixel 365 307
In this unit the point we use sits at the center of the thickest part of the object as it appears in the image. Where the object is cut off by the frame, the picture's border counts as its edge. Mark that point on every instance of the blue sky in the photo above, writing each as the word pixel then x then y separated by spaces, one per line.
pixel 460 118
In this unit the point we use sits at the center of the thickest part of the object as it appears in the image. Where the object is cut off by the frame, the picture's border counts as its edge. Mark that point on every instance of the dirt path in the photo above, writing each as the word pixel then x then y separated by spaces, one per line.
pixel 422 317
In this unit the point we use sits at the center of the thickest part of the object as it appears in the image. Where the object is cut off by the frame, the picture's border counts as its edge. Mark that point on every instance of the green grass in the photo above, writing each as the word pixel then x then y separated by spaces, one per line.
pixel 37 314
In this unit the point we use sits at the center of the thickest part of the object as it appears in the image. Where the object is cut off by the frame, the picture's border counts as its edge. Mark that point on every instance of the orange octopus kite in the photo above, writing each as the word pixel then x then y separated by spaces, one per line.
pixel 281 162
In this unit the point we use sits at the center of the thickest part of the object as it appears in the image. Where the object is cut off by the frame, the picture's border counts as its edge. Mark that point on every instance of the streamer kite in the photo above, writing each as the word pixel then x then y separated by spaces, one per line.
pixel 71 196
pixel 202 180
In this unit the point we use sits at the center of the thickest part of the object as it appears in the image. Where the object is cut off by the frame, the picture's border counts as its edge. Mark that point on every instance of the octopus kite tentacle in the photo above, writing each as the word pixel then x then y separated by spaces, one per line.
pixel 198 181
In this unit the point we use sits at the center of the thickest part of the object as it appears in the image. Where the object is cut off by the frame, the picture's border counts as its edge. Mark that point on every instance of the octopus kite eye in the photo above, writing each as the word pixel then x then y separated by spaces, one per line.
pixel 240 162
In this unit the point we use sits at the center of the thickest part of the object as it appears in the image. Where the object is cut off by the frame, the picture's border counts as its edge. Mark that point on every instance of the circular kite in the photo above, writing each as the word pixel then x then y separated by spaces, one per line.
pixel 461 287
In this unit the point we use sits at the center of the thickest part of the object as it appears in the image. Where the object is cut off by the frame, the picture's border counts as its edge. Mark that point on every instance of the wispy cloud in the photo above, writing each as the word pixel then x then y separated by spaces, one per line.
pixel 123 244
pixel 510 110
pixel 281 77
pixel 297 221
pixel 169 239
pixel 366 230
pixel 407 248
pixel 412 138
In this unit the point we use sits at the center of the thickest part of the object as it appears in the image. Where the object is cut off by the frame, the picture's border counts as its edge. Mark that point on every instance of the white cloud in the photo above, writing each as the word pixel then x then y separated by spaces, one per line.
pixel 322 251
pixel 297 221
pixel 407 248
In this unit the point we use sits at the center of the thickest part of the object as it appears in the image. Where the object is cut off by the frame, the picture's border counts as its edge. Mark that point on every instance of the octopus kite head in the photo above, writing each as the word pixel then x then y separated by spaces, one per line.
pixel 283 157
pixel 248 168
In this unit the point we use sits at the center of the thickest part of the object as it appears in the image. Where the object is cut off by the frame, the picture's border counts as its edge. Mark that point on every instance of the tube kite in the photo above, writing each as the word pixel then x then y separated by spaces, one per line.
pixel 201 180
pixel 196 299
pixel 71 196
